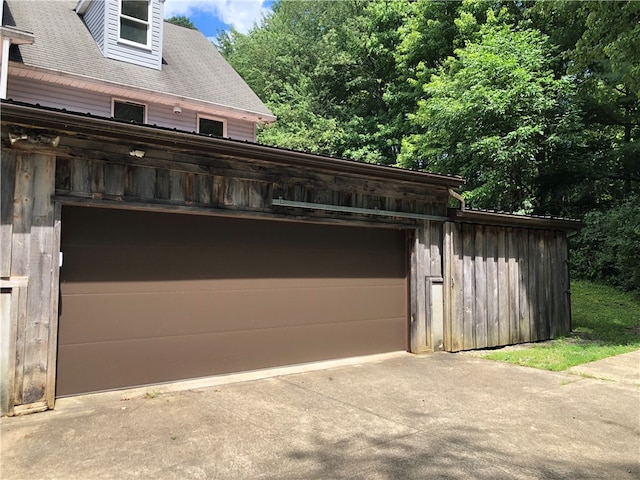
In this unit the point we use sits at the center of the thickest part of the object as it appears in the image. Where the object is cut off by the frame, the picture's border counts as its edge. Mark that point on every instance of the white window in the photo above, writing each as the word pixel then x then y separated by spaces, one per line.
pixel 135 22
pixel 129 111
pixel 212 126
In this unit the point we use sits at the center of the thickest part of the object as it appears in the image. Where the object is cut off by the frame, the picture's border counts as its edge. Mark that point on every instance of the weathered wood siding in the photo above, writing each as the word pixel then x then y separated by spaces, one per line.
pixel 504 286
pixel 99 104
pixel 97 173
pixel 29 279
pixel 426 327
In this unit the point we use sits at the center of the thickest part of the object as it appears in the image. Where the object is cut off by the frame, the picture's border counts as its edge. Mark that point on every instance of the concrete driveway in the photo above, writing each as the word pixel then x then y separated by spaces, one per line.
pixel 388 417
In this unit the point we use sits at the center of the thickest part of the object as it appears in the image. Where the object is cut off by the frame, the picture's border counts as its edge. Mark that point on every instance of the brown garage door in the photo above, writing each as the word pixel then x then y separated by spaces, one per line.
pixel 151 297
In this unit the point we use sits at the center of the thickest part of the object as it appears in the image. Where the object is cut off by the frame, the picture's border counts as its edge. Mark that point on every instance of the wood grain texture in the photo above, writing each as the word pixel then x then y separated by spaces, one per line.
pixel 36 338
pixel 7 186
pixel 493 304
pixel 480 272
pixel 469 287
pixel 511 286
pixel 524 324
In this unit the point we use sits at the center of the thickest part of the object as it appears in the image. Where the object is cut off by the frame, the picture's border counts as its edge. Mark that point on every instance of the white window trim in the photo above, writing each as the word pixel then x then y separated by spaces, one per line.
pixel 124 100
pixel 215 119
pixel 146 46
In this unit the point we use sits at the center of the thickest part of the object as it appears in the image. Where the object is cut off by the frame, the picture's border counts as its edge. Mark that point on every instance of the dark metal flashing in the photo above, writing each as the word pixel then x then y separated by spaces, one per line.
pixel 36 116
pixel 489 217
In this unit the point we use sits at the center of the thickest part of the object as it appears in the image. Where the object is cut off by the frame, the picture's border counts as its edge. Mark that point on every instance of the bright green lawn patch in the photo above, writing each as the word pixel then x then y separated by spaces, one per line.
pixel 606 322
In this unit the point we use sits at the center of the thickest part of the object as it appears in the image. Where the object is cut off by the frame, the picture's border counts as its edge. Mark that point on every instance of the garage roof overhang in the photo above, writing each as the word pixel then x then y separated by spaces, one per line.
pixel 72 123
pixel 488 217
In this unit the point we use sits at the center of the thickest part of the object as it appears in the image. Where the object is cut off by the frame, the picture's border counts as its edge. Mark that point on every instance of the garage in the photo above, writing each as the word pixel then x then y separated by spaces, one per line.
pixel 149 297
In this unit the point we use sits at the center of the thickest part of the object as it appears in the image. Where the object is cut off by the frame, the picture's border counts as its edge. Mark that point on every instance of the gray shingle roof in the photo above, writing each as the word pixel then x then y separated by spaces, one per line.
pixel 194 68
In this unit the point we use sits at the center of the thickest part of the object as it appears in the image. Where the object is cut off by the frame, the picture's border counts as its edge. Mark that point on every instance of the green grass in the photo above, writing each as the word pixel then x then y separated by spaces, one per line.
pixel 606 322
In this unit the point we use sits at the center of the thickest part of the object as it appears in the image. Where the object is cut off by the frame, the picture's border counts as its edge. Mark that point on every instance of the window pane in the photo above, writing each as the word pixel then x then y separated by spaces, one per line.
pixel 133 31
pixel 128 111
pixel 136 9
pixel 211 127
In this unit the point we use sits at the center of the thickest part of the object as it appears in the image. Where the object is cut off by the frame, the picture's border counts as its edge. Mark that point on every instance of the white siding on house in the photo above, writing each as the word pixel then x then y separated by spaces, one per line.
pixel 58 96
pixel 84 101
pixel 127 53
pixel 95 20
pixel 241 130
pixel 188 121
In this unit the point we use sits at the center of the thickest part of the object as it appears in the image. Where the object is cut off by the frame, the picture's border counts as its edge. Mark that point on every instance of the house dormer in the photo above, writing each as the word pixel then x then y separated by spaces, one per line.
pixel 126 30
pixel 118 59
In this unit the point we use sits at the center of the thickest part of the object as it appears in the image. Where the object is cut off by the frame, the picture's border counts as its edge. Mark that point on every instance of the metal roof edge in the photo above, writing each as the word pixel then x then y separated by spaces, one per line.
pixel 488 217
pixel 36 116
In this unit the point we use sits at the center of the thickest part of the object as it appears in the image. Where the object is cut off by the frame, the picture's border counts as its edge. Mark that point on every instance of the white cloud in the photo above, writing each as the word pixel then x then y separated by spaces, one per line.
pixel 241 14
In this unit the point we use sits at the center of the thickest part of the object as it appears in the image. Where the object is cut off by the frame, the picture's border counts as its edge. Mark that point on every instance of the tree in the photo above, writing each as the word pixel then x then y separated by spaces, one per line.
pixel 496 114
pixel 182 21
pixel 324 69
pixel 599 42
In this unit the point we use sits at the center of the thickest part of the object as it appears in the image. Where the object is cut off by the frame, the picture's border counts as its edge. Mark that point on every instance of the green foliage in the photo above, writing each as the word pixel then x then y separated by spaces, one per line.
pixel 606 322
pixel 182 21
pixel 495 114
pixel 534 103
pixel 608 247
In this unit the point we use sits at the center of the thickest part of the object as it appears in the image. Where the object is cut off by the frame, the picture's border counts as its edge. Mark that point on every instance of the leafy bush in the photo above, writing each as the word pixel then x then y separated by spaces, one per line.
pixel 608 247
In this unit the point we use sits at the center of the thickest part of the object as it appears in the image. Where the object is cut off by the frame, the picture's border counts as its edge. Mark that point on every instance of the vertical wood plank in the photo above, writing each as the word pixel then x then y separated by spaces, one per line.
pixel 9 318
pixel 558 276
pixel 36 352
pixel 21 321
pixel 455 306
pixel 504 328
pixel 7 186
pixel 551 284
pixel 6 374
pixel 63 175
pixel 22 213
pixel 523 301
pixel 114 179
pixel 204 189
pixel 542 287
pixel 97 177
pixel 80 176
pixel 418 329
pixel 457 265
pixel 413 293
pixel 144 182
pixel 177 184
pixel 55 296
pixel 493 308
pixel 533 264
pixel 190 188
pixel 565 283
pixel 435 256
pixel 163 187
pixel 217 193
pixel 20 257
pixel 480 274
pixel 255 198
pixel 468 277
pixel 427 228
pixel 514 299
pixel 447 258
pixel 236 193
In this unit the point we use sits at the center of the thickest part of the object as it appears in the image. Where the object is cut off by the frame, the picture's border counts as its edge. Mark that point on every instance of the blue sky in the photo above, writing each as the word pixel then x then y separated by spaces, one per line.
pixel 212 16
